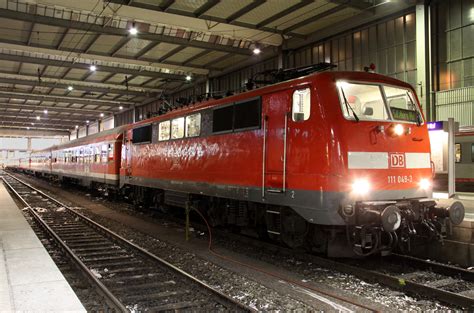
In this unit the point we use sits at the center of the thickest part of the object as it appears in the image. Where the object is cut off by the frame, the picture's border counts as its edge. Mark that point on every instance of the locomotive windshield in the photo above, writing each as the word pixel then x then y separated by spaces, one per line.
pixel 377 102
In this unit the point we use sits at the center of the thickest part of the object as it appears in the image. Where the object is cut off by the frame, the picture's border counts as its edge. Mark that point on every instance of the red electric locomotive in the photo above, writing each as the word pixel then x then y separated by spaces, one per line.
pixel 321 160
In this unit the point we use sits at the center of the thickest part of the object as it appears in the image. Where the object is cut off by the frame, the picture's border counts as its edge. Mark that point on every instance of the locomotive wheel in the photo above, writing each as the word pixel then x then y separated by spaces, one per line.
pixel 293 229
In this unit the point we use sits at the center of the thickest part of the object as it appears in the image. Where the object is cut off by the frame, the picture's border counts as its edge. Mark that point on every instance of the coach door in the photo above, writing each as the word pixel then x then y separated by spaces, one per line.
pixel 275 108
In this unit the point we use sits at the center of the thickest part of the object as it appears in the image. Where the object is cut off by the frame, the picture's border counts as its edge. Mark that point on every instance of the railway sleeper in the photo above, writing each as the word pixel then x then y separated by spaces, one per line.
pixel 99 253
pixel 156 296
pixel 178 306
pixel 107 258
pixel 153 285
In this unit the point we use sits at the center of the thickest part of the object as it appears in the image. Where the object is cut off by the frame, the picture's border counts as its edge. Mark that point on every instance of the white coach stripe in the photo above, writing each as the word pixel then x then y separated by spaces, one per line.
pixel 368 160
pixel 417 160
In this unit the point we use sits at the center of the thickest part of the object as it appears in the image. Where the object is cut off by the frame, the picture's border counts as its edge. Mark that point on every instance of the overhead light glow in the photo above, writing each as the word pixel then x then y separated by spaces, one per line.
pixel 28 127
pixel 45 111
pixel 257 51
pixel 32 124
pixel 133 30
pixel 70 88
pixel 93 68
pixel 101 114
pixel 77 126
pixel 188 77
pixel 87 122
pixel 38 118
pixel 120 107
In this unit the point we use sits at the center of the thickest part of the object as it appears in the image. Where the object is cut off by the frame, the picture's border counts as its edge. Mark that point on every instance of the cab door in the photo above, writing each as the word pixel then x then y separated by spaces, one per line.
pixel 275 108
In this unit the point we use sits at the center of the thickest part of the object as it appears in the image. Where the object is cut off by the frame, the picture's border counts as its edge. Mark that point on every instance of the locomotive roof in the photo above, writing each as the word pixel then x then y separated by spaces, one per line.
pixel 328 75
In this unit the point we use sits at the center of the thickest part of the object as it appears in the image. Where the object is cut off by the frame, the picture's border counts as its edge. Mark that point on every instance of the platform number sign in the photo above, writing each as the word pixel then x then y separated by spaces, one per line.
pixel 397 160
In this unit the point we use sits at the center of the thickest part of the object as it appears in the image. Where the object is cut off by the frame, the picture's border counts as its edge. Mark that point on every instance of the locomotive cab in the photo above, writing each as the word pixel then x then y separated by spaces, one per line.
pixel 388 167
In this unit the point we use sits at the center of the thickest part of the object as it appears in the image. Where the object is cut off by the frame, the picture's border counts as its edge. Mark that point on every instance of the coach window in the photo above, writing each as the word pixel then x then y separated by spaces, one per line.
pixel 164 131
pixel 97 154
pixel 301 105
pixel 103 158
pixel 472 152
pixel 193 125
pixel 177 128
pixel 111 151
pixel 458 153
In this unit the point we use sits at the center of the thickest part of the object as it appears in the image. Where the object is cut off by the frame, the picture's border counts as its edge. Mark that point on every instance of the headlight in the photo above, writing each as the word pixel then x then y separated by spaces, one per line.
pixel 425 184
pixel 398 129
pixel 361 186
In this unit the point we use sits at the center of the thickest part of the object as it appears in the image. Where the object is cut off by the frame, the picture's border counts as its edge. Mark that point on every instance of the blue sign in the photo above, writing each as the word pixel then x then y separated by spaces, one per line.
pixel 438 125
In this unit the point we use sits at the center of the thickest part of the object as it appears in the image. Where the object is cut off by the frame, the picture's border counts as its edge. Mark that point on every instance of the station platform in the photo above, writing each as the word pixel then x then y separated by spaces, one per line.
pixel 29 278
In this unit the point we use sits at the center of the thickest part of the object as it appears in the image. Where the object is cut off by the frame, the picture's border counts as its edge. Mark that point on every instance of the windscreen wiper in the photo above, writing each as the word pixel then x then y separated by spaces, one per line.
pixel 418 114
pixel 348 106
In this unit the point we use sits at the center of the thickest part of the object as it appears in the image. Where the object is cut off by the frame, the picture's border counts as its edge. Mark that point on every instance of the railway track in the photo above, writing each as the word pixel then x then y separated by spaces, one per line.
pixel 445 283
pixel 129 277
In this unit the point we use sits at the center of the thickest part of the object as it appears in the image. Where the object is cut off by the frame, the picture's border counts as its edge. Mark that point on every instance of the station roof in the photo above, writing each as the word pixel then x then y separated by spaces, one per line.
pixel 47 49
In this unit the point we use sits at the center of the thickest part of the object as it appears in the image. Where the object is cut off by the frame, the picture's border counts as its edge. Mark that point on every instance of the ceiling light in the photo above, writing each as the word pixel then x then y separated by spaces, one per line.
pixel 87 122
pixel 28 127
pixel 32 124
pixel 45 111
pixel 77 126
pixel 256 51
pixel 133 30
pixel 38 118
pixel 101 114
pixel 70 88
pixel 188 77
pixel 120 107
pixel 93 68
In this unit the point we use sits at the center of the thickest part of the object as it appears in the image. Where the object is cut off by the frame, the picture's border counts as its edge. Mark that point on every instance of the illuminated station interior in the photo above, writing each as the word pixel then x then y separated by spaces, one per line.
pixel 236 155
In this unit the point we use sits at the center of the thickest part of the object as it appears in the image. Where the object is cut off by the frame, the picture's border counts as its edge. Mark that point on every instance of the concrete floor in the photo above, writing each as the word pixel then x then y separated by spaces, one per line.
pixel 29 278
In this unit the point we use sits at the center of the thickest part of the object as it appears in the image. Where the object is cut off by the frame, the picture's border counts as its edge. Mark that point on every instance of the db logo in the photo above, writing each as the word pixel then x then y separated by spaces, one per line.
pixel 397 160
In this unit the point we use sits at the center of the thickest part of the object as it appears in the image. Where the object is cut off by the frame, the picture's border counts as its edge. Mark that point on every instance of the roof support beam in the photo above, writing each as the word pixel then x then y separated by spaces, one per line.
pixel 285 12
pixel 60 120
pixel 122 43
pixel 314 18
pixel 65 99
pixel 246 9
pixel 76 65
pixel 171 53
pixel 53 108
pixel 205 7
pixel 55 83
pixel 166 4
pixel 25 125
pixel 199 13
pixel 91 27
pixel 355 4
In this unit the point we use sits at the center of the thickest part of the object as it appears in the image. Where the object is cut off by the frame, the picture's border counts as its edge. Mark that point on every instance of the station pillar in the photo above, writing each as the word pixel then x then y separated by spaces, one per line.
pixel 423 53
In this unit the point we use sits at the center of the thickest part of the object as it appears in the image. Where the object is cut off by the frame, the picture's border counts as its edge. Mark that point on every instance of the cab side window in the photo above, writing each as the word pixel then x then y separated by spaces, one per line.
pixel 301 107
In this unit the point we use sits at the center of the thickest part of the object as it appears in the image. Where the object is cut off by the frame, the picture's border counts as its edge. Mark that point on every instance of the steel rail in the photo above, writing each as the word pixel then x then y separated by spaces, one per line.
pixel 225 298
pixel 110 298
pixel 440 268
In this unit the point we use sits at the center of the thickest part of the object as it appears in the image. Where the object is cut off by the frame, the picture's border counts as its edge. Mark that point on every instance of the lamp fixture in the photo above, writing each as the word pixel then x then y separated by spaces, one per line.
pixel 133 30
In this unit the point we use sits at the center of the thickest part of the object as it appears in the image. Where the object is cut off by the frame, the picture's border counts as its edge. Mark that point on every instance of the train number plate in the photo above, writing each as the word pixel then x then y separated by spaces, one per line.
pixel 400 179
pixel 397 160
